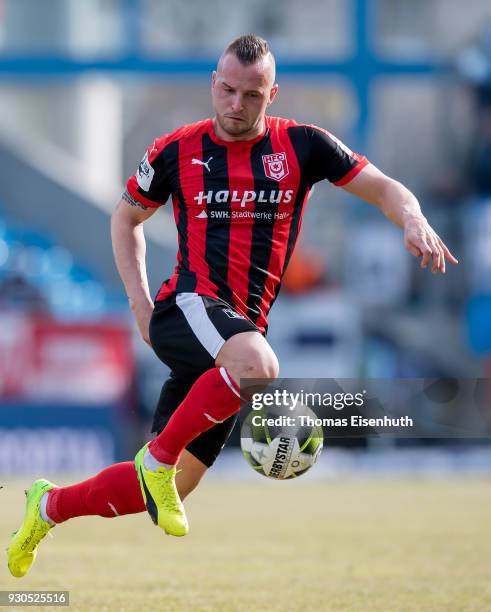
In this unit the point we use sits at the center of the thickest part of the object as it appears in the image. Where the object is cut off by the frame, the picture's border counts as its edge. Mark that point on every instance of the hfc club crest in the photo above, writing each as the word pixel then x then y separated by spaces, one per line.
pixel 275 166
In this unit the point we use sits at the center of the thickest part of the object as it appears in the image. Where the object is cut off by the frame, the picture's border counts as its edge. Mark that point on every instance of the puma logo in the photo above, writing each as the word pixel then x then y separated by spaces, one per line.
pixel 198 162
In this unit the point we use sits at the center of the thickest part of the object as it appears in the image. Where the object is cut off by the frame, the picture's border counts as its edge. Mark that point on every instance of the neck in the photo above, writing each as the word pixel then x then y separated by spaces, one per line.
pixel 250 135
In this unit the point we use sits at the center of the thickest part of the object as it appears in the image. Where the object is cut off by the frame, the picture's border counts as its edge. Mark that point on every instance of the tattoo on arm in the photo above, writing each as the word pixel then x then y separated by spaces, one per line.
pixel 127 197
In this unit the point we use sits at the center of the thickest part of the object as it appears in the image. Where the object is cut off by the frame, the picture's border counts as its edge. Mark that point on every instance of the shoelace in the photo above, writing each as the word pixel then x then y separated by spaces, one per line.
pixel 169 502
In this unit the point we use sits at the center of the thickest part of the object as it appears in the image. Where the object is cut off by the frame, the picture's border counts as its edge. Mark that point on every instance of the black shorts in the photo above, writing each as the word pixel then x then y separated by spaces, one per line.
pixel 187 331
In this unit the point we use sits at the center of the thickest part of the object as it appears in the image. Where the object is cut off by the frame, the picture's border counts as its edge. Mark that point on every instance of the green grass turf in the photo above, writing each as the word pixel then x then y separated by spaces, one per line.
pixel 277 546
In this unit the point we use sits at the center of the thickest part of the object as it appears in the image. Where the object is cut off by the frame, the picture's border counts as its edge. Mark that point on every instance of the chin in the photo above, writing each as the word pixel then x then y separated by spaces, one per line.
pixel 233 128
pixel 235 131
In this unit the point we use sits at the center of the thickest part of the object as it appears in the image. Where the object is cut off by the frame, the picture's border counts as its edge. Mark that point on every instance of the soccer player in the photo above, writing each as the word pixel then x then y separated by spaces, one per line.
pixel 239 183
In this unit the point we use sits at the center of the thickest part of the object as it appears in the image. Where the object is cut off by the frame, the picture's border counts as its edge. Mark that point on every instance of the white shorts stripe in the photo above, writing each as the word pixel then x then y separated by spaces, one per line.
pixel 191 305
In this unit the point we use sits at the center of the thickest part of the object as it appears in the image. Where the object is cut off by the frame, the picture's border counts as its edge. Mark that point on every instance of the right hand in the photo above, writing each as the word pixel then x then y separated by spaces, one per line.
pixel 421 240
pixel 143 313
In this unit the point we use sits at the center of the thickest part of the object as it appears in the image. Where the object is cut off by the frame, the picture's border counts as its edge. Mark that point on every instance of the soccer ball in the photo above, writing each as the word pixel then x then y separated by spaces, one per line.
pixel 280 451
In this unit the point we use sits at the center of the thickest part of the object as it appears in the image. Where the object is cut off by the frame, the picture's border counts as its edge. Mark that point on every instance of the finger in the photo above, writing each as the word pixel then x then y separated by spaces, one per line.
pixel 453 260
pixel 440 264
pixel 437 258
pixel 441 267
pixel 426 250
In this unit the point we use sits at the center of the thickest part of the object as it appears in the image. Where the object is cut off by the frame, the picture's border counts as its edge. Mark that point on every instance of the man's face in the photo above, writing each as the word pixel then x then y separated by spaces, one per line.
pixel 241 94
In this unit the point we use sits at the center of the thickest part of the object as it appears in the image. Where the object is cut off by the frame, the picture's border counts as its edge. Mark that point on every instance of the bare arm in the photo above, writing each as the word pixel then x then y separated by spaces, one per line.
pixel 129 250
pixel 401 206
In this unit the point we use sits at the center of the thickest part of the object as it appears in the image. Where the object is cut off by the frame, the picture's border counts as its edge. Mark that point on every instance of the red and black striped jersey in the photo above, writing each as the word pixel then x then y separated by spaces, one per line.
pixel 238 205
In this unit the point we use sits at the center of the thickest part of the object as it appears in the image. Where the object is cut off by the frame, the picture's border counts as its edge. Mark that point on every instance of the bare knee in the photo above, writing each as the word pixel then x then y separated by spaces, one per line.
pixel 248 355
pixel 258 365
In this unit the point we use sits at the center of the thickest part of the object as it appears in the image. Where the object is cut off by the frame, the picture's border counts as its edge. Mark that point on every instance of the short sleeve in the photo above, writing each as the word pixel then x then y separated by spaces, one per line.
pixel 150 184
pixel 331 159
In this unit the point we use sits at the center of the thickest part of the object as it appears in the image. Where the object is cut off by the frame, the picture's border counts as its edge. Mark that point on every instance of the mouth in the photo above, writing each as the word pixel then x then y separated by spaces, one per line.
pixel 234 118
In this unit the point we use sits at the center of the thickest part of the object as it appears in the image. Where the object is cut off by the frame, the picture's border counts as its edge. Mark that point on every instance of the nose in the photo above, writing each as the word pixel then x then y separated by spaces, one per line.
pixel 237 104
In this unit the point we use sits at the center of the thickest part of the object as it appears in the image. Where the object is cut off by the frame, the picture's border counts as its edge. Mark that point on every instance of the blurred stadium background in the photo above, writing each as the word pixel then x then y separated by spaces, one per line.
pixel 86 86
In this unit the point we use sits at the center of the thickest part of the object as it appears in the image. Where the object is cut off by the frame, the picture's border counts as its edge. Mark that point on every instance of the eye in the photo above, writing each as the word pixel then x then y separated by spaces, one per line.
pixel 253 94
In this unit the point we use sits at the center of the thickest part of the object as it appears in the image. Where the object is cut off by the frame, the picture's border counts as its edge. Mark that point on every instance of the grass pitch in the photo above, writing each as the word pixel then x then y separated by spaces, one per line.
pixel 277 546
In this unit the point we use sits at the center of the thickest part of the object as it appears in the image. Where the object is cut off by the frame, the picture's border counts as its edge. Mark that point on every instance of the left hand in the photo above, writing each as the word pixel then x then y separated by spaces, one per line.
pixel 421 240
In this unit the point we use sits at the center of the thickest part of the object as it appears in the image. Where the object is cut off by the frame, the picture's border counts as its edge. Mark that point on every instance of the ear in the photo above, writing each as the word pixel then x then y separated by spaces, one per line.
pixel 272 93
pixel 213 78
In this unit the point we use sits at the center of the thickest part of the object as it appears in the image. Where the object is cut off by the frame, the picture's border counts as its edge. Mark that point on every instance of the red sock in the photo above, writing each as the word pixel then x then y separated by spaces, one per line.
pixel 212 399
pixel 113 492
